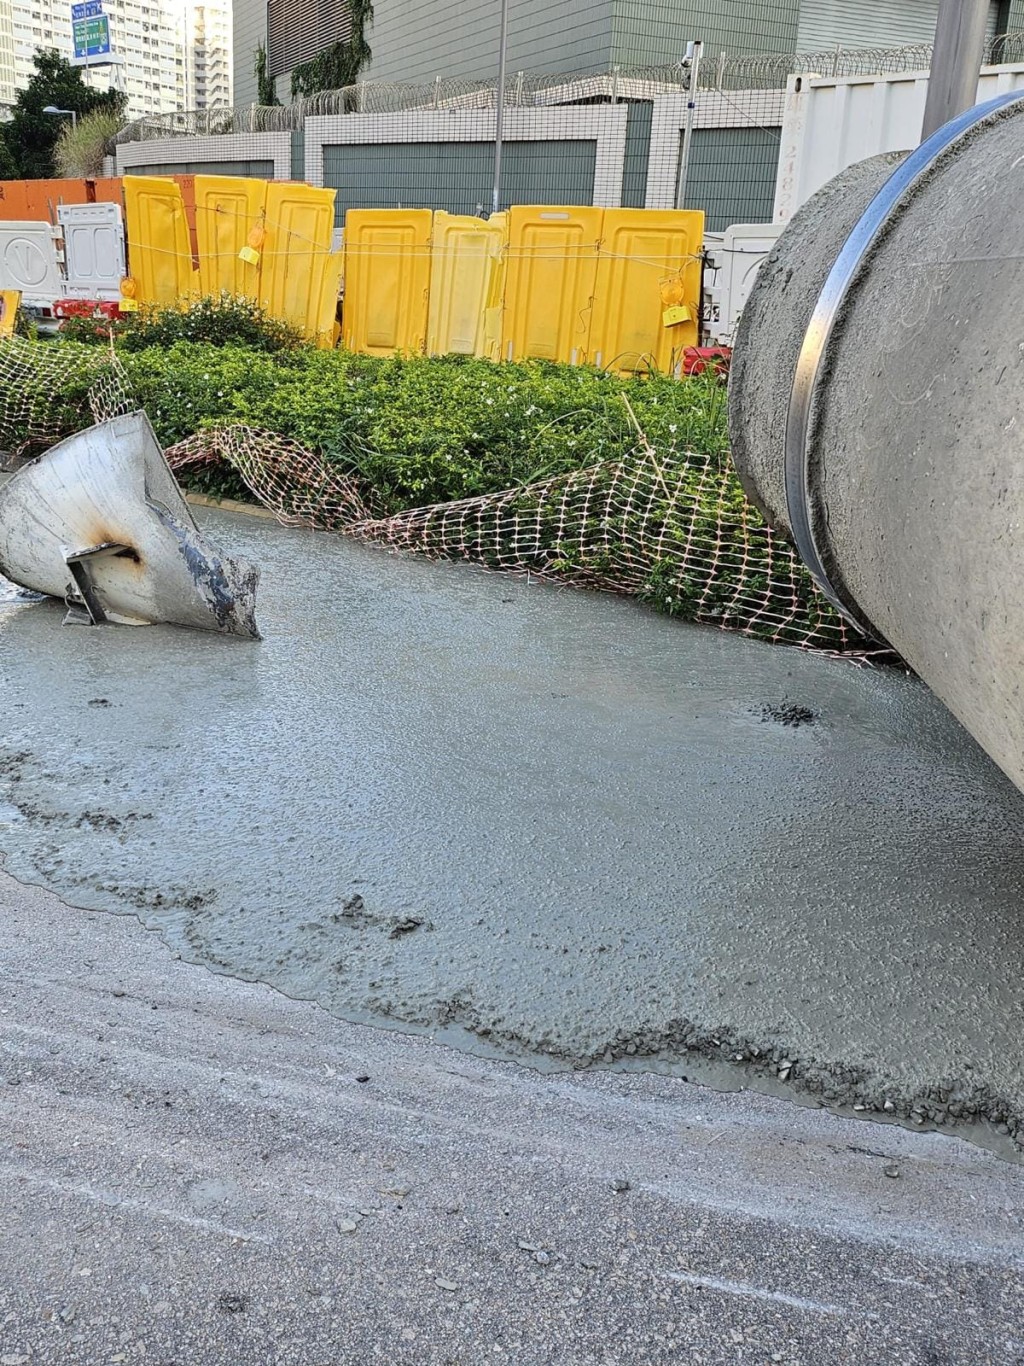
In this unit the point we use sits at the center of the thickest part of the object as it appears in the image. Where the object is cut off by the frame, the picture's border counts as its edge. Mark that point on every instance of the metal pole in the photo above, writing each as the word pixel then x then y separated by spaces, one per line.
pixel 956 62
pixel 499 106
pixel 693 52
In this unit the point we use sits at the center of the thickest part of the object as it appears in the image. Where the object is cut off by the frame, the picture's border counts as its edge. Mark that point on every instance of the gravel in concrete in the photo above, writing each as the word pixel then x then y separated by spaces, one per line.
pixel 540 823
pixel 191 1172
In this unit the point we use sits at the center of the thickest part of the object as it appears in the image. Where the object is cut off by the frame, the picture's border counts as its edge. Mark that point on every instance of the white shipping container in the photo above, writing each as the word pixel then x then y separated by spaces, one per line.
pixel 829 123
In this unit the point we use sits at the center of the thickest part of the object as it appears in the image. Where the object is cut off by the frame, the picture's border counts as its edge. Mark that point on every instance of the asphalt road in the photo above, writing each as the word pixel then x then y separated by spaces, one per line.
pixel 197 1170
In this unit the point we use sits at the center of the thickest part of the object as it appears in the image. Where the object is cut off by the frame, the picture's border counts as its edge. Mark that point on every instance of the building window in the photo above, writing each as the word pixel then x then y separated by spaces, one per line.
pixel 297 30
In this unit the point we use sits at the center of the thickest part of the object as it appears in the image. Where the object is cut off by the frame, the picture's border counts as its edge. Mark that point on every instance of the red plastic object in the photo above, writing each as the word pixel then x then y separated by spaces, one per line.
pixel 85 308
pixel 102 312
pixel 697 359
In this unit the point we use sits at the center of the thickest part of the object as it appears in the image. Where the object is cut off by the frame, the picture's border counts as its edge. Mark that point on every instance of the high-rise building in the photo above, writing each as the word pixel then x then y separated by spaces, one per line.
pixel 6 53
pixel 418 40
pixel 208 55
pixel 172 54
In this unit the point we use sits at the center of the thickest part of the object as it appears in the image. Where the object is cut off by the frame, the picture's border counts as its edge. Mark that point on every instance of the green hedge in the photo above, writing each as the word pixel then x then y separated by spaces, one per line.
pixel 221 319
pixel 427 430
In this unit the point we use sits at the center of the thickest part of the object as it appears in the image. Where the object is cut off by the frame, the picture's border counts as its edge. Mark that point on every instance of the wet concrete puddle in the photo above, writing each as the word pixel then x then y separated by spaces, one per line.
pixel 538 822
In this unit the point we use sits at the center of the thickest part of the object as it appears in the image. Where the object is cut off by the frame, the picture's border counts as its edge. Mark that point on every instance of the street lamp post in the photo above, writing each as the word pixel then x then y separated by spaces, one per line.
pixel 52 109
pixel 499 109
pixel 693 55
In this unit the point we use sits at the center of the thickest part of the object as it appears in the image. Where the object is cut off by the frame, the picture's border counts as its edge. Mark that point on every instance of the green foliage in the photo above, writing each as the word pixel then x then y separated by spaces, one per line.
pixel 8 165
pixel 219 321
pixel 427 430
pixel 30 136
pixel 266 86
pixel 79 151
pixel 339 65
pixel 25 325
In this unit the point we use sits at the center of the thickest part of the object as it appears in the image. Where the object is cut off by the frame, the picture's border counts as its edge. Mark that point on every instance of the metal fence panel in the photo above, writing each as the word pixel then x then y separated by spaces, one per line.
pixel 456 176
pixel 254 170
pixel 732 175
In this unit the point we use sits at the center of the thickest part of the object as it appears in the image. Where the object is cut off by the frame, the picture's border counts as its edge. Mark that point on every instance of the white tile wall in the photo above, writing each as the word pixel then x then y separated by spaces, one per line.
pixel 603 124
pixel 275 147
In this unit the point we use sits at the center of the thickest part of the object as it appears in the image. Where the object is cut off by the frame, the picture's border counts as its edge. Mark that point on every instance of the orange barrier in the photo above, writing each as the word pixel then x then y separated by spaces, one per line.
pixel 26 201
pixel 37 200
pixel 107 191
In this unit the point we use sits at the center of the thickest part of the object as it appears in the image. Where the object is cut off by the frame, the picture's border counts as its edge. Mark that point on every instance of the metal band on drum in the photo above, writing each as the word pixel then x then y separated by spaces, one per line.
pixel 819 333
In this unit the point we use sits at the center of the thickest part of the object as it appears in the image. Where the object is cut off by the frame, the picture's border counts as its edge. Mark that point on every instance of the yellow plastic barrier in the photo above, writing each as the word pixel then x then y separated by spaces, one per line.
pixel 294 253
pixel 647 293
pixel 549 292
pixel 466 266
pixel 496 299
pixel 159 251
pixel 618 288
pixel 327 332
pixel 229 210
pixel 387 280
pixel 9 301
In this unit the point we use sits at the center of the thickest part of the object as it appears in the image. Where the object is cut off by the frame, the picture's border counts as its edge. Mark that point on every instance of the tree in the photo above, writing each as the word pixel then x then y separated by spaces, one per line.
pixel 8 166
pixel 80 149
pixel 30 136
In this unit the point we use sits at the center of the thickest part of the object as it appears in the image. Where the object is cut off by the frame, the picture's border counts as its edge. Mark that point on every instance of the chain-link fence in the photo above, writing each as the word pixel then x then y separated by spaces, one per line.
pixel 702 134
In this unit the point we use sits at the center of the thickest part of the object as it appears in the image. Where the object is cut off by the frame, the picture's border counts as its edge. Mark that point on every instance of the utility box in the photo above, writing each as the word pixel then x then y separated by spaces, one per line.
pixel 30 263
pixel 94 260
pixel 733 259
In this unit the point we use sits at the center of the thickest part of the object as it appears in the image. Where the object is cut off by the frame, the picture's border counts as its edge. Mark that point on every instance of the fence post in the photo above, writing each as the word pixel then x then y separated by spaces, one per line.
pixel 499 106
pixel 956 62
pixel 693 55
pixel 720 80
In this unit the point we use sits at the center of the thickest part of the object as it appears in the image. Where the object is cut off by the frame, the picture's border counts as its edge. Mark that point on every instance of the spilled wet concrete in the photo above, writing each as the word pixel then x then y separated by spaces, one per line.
pixel 539 822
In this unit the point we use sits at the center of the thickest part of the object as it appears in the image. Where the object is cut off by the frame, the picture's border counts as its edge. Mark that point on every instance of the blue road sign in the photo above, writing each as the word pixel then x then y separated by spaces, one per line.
pixel 89 9
pixel 91 35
